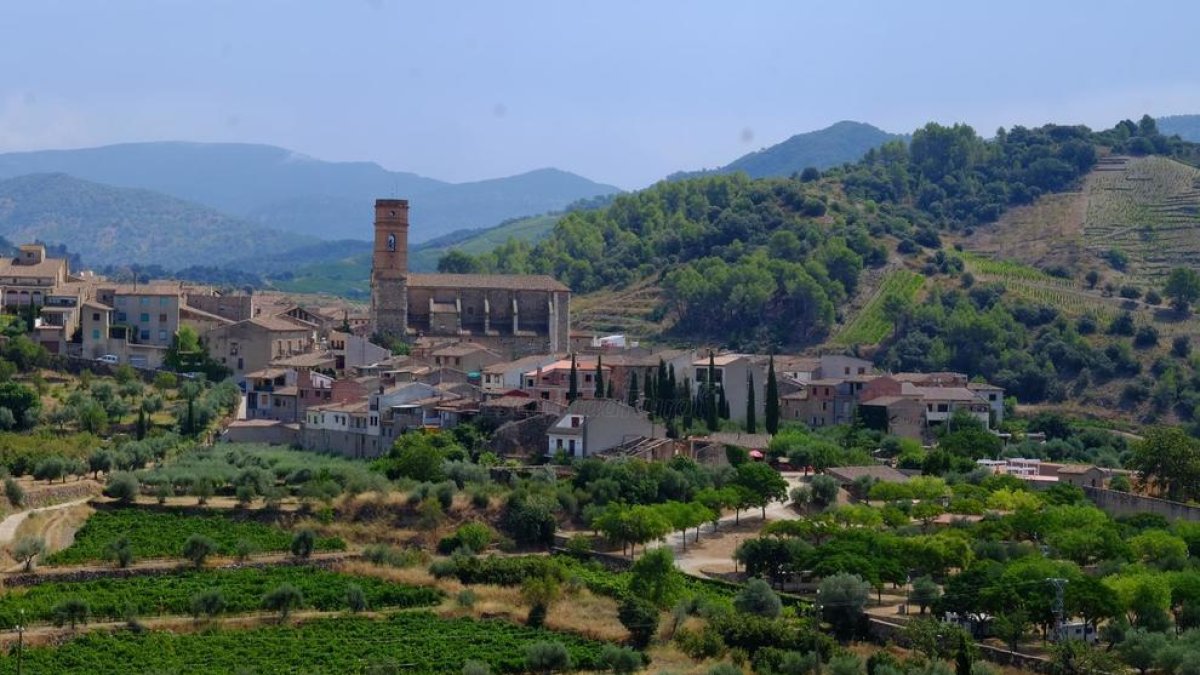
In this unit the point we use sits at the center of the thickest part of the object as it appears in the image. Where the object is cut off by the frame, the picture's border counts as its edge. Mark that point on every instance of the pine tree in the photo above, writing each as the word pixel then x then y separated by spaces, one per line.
pixel 771 414
pixel 599 378
pixel 573 382
pixel 751 414
pixel 633 390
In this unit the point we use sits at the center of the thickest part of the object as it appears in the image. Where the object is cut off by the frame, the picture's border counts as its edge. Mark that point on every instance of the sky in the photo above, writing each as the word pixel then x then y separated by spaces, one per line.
pixel 620 92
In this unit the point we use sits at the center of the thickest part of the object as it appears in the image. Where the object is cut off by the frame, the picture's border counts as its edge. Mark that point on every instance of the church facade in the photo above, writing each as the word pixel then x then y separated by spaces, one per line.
pixel 515 314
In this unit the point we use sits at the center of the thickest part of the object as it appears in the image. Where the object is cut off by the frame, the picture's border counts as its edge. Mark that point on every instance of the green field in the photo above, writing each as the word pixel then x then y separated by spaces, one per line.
pixel 161 534
pixel 416 643
pixel 114 598
pixel 870 326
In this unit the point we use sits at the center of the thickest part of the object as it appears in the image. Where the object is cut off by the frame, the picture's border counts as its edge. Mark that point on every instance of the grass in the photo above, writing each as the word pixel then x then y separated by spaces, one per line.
pixel 114 598
pixel 419 643
pixel 871 325
pixel 161 534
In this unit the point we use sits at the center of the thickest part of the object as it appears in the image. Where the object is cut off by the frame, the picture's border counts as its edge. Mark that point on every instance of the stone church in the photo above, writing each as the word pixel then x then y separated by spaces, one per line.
pixel 515 314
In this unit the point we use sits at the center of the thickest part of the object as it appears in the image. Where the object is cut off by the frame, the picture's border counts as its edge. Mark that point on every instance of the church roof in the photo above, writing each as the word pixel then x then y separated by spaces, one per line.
pixel 513 282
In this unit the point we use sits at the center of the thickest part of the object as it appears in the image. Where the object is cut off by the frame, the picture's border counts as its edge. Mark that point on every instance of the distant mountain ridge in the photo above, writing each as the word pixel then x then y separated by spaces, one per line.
pixel 834 145
pixel 123 226
pixel 1186 127
pixel 284 190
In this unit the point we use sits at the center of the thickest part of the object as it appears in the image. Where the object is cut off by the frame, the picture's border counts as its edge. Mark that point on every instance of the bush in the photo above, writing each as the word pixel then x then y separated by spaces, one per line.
pixel 725 669
pixel 474 537
pixel 476 668
pixel 639 617
pixel 1181 346
pixel 824 490
pixel 356 600
pixel 620 659
pixel 14 492
pixel 303 543
pixel 198 548
pixel 208 604
pixel 1146 336
pixel 283 599
pixel 466 598
pixel 120 551
pixel 382 554
pixel 547 657
pixel 756 597
pixel 73 611
pixel 700 644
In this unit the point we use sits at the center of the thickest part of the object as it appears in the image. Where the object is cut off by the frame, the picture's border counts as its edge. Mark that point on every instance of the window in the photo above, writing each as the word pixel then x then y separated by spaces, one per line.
pixel 120 302
pixel 144 318
pixel 558 444
pixel 162 336
pixel 571 446
pixel 120 316
pixel 145 301
pixel 145 334
pixel 163 301
pixel 574 422
pixel 95 333
pixel 95 316
pixel 942 407
pixel 162 318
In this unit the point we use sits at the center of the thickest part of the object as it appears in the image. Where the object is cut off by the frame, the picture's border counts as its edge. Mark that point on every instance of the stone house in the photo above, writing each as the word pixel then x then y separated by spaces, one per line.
pixel 592 427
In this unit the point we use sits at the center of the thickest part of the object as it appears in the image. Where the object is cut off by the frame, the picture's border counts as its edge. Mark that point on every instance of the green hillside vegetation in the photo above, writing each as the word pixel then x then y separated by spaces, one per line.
pixel 277 188
pixel 873 323
pixel 832 146
pixel 108 225
pixel 425 257
pixel 760 263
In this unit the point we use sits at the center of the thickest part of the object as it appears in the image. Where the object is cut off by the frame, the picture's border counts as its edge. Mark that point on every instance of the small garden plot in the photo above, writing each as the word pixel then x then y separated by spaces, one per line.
pixel 161 534
pixel 241 590
pixel 417 643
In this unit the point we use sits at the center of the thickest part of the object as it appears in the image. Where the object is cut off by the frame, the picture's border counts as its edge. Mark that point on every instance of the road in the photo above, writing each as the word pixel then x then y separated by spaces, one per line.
pixel 9 526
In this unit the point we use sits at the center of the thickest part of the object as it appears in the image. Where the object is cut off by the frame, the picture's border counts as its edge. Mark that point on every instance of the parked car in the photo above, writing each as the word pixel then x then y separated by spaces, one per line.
pixel 110 359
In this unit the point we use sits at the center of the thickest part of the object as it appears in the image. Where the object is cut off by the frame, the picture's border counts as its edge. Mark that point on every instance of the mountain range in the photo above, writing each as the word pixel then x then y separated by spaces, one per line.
pixel 276 188
pixel 1186 127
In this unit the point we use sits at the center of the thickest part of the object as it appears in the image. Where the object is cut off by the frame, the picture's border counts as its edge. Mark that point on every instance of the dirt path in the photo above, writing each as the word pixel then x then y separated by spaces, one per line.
pixel 10 525
pixel 713 553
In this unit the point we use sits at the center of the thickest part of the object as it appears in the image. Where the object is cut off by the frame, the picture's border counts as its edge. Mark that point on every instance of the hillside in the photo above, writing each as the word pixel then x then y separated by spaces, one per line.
pixel 275 187
pixel 121 226
pixel 1146 208
pixel 832 146
pixel 1186 127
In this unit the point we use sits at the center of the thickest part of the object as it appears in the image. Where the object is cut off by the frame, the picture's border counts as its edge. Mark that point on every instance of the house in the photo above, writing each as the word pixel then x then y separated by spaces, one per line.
pixel 1082 475
pixel 251 345
pixel 553 382
pixel 272 394
pixel 731 372
pixel 30 276
pixel 592 427
pixel 505 376
pixel 351 351
pixel 468 357
pixel 625 366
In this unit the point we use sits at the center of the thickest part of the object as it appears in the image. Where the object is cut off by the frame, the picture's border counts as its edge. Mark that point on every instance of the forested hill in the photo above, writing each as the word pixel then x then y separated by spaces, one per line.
pixel 277 188
pixel 1186 127
pixel 757 263
pixel 832 146
pixel 117 226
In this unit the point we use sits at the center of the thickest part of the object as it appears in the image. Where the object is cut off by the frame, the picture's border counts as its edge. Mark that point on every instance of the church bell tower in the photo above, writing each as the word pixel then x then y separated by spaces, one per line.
pixel 389 268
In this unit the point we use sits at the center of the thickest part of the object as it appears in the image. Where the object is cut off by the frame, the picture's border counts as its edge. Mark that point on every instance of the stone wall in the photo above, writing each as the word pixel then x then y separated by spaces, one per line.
pixel 1118 504
pixel 522 438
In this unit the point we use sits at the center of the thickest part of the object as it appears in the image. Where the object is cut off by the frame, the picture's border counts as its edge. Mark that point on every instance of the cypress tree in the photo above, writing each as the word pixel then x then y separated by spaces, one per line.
pixel 599 378
pixel 651 395
pixel 609 393
pixel 711 412
pixel 573 382
pixel 661 390
pixel 771 414
pixel 633 390
pixel 751 419
pixel 722 403
pixel 686 398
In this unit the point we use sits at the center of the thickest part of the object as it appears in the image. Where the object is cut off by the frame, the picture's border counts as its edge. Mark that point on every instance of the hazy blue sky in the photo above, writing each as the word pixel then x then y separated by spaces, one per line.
pixel 621 92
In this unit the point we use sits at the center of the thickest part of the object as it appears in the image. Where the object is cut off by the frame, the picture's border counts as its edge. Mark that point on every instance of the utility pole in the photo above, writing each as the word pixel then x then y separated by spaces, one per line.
pixel 1059 607
pixel 20 641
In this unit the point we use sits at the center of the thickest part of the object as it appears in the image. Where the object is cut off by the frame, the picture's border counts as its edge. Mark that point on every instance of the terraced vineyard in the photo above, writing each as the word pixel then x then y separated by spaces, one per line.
pixel 629 311
pixel 870 325
pixel 418 643
pixel 1148 207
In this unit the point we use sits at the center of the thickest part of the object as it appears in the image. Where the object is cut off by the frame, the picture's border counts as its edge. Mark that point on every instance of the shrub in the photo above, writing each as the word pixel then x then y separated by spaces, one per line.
pixel 209 604
pixel 356 600
pixel 844 664
pixel 466 598
pixel 198 548
pixel 700 644
pixel 476 668
pixel 547 657
pixel 473 537
pixel 620 659
pixel 283 599
pixel 382 554
pixel 725 669
pixel 756 597
pixel 1181 346
pixel 824 490
pixel 1146 336
pixel 303 543
pixel 243 549
pixel 14 492
pixel 120 551
pixel 123 487
pixel 639 617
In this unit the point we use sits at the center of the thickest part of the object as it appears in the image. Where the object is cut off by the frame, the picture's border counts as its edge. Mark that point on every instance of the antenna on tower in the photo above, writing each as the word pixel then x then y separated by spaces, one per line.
pixel 1058 609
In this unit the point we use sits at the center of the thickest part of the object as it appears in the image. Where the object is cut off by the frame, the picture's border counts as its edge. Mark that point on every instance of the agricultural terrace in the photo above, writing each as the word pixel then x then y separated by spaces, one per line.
pixel 872 324
pixel 1145 207
pixel 162 533
pixel 411 642
pixel 241 591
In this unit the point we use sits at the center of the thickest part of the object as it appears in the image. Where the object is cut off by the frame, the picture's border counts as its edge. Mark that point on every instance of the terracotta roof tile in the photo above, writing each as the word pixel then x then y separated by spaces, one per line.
pixel 516 282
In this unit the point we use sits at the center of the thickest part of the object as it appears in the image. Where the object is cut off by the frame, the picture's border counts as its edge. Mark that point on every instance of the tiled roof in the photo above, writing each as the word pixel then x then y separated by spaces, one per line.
pixel 462 349
pixel 279 323
pixel 309 360
pixel 848 474
pixel 515 282
pixel 47 268
pixel 520 364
